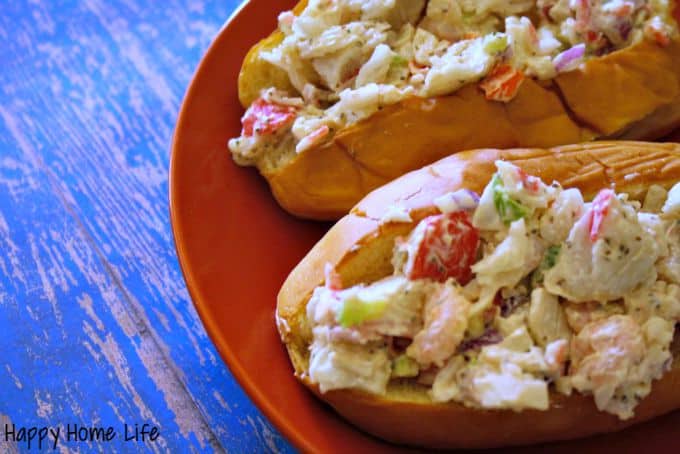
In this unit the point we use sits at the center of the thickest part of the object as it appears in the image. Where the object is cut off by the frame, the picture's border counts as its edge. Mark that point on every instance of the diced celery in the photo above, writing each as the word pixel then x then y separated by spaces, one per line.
pixel 368 303
pixel 398 60
pixel 508 209
pixel 404 366
pixel 496 45
pixel 355 311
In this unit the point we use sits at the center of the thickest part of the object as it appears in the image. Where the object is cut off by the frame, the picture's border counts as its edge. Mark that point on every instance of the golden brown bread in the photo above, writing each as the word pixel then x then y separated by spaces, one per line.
pixel 360 247
pixel 257 74
pixel 633 93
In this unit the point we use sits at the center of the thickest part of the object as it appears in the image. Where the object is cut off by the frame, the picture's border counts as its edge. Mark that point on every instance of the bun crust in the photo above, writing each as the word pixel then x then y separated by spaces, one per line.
pixel 632 93
pixel 359 246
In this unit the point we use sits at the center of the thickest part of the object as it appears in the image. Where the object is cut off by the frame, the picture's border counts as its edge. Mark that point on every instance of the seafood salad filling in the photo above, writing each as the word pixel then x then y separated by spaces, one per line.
pixel 348 59
pixel 500 299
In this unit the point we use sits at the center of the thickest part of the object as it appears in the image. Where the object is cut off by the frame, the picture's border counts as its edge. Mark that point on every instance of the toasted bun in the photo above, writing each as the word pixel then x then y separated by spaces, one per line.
pixel 359 246
pixel 633 93
pixel 257 74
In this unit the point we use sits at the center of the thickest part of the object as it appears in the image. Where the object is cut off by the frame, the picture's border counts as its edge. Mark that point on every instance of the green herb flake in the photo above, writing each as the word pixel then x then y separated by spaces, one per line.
pixel 549 260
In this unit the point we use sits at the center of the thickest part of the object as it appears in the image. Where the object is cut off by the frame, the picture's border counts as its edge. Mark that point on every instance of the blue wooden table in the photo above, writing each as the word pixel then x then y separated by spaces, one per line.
pixel 98 337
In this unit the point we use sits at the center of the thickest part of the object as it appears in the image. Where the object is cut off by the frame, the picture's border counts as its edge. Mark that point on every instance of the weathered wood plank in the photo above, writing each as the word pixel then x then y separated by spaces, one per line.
pixel 92 296
pixel 72 352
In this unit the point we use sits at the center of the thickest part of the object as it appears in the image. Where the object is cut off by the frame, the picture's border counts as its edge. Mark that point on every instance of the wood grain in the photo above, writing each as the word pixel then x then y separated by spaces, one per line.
pixel 97 326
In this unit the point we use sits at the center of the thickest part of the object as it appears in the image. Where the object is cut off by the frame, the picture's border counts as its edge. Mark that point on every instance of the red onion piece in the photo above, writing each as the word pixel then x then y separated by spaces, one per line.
pixel 460 200
pixel 566 60
pixel 489 337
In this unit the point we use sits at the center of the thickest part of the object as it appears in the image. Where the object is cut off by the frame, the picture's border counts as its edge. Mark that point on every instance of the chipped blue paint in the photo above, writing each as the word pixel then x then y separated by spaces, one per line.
pixel 96 326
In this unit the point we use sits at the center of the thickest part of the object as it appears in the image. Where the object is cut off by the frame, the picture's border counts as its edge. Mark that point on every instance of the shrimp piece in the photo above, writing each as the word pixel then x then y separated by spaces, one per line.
pixel 603 355
pixel 315 137
pixel 580 314
pixel 445 322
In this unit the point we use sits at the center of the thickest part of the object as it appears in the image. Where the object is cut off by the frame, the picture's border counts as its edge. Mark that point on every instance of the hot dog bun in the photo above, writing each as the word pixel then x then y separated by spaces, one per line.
pixel 631 94
pixel 359 246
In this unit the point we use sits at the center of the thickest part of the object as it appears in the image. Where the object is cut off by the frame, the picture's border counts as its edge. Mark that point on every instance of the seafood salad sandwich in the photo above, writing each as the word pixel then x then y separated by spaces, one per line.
pixel 347 95
pixel 535 292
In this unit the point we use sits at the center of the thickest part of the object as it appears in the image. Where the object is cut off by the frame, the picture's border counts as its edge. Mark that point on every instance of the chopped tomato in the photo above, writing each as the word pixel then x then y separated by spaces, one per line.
pixel 592 36
pixel 661 37
pixel 333 280
pixel 531 183
pixel 263 118
pixel 502 84
pixel 448 248
pixel 598 211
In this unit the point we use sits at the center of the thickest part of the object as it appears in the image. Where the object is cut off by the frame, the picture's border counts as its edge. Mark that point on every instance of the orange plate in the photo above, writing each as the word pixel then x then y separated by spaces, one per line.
pixel 236 246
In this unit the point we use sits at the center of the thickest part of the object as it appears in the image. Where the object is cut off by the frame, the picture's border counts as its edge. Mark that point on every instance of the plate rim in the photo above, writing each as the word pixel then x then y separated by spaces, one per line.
pixel 228 357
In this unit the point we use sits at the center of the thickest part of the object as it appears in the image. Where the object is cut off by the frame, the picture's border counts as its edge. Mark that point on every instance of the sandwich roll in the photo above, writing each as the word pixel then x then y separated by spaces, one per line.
pixel 498 297
pixel 348 95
